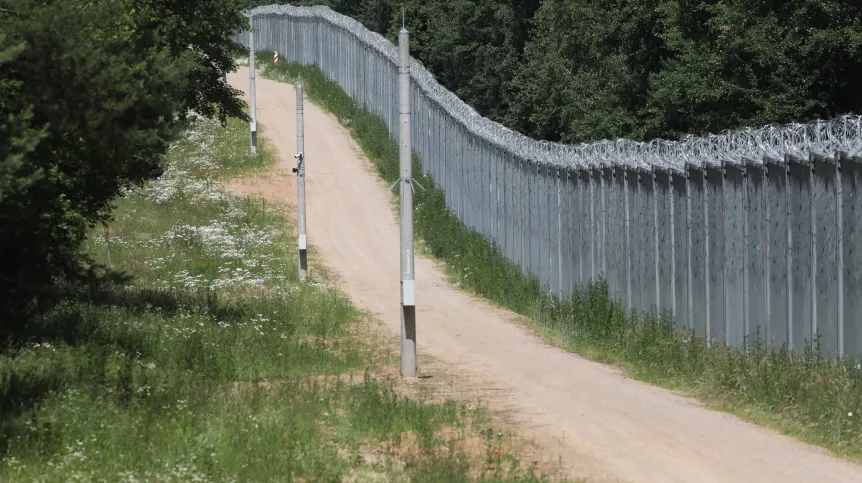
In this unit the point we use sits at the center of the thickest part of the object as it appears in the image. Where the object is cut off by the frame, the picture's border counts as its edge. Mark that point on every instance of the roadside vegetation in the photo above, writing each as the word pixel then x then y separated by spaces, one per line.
pixel 806 396
pixel 207 360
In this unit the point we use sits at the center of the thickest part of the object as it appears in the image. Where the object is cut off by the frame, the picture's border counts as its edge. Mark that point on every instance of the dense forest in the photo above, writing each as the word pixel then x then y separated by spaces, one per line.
pixel 582 70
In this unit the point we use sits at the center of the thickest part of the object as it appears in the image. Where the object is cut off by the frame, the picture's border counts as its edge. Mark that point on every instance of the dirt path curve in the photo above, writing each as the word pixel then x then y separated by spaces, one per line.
pixel 606 427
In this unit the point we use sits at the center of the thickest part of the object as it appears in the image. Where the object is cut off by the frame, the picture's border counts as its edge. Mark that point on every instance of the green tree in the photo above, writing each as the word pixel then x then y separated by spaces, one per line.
pixel 91 94
pixel 15 129
pixel 472 47
pixel 584 70
pixel 737 63
pixel 197 31
pixel 585 74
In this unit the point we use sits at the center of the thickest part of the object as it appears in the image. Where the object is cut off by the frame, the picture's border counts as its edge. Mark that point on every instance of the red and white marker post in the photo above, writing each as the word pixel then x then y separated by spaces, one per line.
pixel 275 57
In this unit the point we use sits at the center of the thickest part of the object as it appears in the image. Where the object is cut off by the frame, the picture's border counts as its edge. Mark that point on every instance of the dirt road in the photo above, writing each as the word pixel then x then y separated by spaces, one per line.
pixel 602 425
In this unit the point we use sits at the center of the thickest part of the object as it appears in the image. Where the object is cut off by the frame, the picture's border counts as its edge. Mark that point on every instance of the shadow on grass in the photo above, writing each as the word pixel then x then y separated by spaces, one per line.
pixel 86 324
pixel 70 320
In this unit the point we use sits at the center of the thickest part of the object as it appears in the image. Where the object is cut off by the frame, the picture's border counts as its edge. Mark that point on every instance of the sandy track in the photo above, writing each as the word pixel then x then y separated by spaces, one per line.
pixel 603 425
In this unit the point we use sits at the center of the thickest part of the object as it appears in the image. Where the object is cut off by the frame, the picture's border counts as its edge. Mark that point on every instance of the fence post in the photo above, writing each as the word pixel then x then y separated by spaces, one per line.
pixel 813 221
pixel 767 261
pixel 705 183
pixel 746 299
pixel 839 208
pixel 408 303
pixel 628 243
pixel 672 219
pixel 688 223
pixel 594 224
pixel 789 233
pixel 581 217
pixel 300 184
pixel 604 191
pixel 725 298
pixel 252 95
pixel 656 257
pixel 560 174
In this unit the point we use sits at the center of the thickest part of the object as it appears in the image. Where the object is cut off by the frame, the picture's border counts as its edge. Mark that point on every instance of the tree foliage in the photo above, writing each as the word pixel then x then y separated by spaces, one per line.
pixel 584 70
pixel 197 30
pixel 739 63
pixel 585 73
pixel 91 94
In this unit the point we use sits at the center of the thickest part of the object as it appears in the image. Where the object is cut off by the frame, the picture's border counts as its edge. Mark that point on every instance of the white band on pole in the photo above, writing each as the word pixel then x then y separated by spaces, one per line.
pixel 252 94
pixel 300 184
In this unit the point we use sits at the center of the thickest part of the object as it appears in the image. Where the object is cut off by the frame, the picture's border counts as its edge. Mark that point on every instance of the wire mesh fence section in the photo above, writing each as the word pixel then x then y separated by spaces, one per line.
pixel 755 230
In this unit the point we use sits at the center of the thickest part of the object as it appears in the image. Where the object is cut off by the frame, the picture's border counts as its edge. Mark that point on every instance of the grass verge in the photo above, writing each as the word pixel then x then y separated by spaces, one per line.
pixel 808 397
pixel 213 363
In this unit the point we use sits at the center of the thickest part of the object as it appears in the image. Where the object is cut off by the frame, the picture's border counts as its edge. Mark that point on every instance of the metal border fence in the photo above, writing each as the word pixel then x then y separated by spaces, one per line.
pixel 757 229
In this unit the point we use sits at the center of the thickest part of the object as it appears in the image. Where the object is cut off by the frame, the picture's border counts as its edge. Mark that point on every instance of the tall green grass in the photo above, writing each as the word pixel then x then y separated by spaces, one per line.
pixel 213 363
pixel 807 396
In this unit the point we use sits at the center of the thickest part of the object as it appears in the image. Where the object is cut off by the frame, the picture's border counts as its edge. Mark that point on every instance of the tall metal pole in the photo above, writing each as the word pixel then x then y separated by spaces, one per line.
pixel 300 184
pixel 251 78
pixel 408 293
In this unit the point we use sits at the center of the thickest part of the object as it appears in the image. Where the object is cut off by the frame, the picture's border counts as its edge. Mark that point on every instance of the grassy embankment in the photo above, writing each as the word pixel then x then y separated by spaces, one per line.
pixel 808 397
pixel 214 363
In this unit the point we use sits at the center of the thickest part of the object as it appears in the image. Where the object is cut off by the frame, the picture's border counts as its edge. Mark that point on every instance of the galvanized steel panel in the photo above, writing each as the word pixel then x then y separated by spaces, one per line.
pixel 588 229
pixel 618 200
pixel 581 229
pixel 566 232
pixel 533 231
pixel 735 255
pixel 509 209
pixel 665 246
pixel 595 233
pixel 800 219
pixel 649 301
pixel 681 248
pixel 623 236
pixel 777 234
pixel 554 230
pixel 500 193
pixel 699 249
pixel 826 217
pixel 851 187
pixel 757 295
pixel 636 241
pixel 518 206
pixel 715 218
pixel 544 227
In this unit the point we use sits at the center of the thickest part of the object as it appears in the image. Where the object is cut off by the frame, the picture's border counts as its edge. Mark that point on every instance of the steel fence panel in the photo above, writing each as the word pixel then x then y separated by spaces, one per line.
pixel 826 254
pixel 757 260
pixel 664 247
pixel 778 248
pixel 681 254
pixel 735 256
pixel 851 186
pixel 800 225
